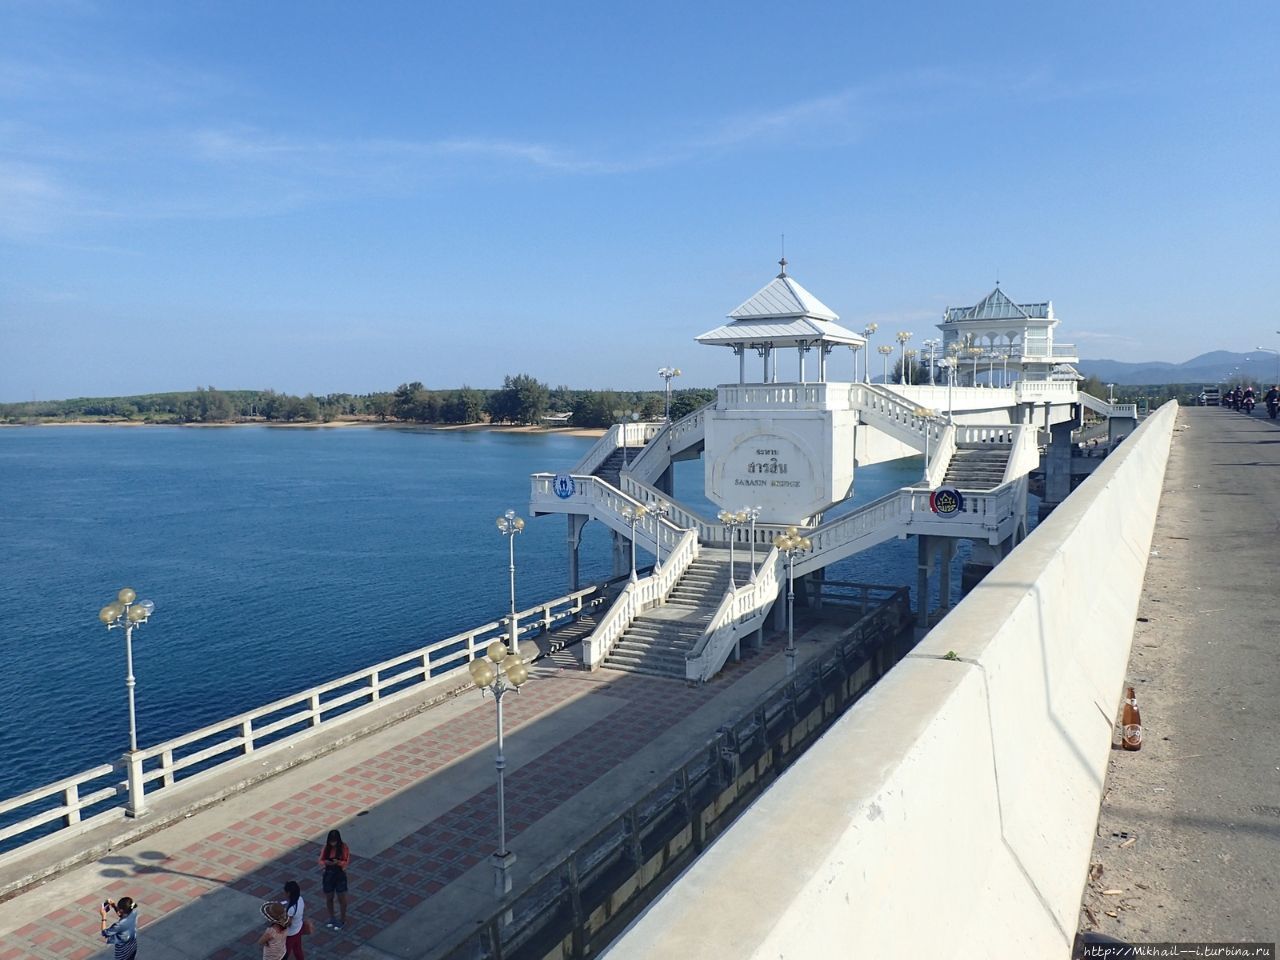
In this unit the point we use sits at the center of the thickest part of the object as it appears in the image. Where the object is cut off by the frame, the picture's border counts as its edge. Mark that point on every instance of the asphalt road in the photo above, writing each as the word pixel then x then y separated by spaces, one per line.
pixel 1202 797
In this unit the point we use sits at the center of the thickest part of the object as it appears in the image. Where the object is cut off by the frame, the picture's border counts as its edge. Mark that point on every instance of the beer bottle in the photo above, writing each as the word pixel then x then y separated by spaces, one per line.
pixel 1131 722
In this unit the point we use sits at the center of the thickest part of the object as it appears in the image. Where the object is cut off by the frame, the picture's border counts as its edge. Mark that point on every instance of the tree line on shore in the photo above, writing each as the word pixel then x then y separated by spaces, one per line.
pixel 521 400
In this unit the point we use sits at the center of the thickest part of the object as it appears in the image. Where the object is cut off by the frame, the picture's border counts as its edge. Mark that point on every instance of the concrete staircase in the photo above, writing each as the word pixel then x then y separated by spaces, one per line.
pixel 658 640
pixel 610 471
pixel 977 466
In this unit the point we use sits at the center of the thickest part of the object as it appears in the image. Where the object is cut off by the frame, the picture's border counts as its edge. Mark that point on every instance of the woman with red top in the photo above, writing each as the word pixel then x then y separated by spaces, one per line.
pixel 334 858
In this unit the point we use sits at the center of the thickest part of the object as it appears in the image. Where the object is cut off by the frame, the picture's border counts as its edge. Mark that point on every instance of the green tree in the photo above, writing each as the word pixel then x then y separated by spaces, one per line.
pixel 522 399
pixel 463 406
pixel 594 408
pixel 684 402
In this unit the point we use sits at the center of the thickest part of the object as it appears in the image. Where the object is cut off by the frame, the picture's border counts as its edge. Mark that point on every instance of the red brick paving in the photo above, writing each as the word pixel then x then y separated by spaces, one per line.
pixel 281 842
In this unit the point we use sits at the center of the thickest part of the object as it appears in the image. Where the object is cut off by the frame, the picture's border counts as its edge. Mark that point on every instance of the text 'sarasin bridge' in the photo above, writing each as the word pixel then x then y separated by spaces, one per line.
pixel 787 437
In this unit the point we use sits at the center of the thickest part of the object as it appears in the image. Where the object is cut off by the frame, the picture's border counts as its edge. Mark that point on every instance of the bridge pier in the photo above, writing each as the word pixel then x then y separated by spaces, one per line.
pixel 1057 467
pixel 931 550
pixel 621 554
pixel 573 539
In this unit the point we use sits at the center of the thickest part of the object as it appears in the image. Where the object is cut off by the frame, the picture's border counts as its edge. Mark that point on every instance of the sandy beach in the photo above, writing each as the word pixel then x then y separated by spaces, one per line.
pixel 331 424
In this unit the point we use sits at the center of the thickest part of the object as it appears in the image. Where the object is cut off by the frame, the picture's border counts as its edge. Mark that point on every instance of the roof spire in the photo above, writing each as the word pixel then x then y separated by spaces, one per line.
pixel 783 264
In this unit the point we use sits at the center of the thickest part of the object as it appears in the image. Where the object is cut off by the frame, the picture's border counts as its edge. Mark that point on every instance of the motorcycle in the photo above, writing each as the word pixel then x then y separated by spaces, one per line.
pixel 1247 405
pixel 1273 407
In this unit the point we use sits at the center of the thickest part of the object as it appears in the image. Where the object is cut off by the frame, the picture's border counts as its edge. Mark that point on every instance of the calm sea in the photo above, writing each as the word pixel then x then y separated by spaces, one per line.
pixel 277 559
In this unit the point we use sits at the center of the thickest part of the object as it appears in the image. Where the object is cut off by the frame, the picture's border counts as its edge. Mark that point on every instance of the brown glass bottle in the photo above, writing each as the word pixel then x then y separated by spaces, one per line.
pixel 1131 722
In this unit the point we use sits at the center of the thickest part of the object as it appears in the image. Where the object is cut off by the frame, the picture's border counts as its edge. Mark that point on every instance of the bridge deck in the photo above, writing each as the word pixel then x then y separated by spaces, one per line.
pixel 1203 795
pixel 417 803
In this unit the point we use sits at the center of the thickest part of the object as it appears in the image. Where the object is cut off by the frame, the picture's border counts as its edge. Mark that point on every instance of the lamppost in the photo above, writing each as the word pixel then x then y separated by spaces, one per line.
pixel 932 345
pixel 624 417
pixel 884 350
pixel 902 336
pixel 502 671
pixel 868 331
pixel 948 364
pixel 1277 353
pixel 633 515
pixel 928 416
pixel 732 521
pixel 1111 393
pixel 975 352
pixel 666 373
pixel 909 357
pixel 127 612
pixel 660 512
pixel 509 525
pixel 752 514
pixel 791 543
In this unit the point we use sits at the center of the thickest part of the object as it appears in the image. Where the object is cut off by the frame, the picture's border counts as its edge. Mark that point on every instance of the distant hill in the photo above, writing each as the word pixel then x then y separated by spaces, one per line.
pixel 1257 366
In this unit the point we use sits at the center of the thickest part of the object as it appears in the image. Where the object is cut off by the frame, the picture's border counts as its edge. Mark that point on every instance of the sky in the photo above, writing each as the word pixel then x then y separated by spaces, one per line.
pixel 336 197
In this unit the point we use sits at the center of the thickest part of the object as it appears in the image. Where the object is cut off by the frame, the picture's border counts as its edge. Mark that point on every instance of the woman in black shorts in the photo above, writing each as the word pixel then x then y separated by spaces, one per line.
pixel 334 858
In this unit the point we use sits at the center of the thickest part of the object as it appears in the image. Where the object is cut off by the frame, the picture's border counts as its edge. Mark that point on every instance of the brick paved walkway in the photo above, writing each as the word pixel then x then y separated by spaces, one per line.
pixel 256 854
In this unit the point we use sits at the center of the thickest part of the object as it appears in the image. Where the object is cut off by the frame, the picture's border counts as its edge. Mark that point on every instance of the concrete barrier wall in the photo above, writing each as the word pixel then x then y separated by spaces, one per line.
pixel 951 812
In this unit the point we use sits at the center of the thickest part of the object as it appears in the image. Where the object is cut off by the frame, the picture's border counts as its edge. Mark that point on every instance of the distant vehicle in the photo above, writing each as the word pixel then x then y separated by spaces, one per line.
pixel 1210 397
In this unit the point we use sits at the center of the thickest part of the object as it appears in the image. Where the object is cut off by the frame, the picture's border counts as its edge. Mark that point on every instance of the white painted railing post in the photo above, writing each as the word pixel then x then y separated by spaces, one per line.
pixel 166 768
pixel 246 734
pixel 374 692
pixel 136 805
pixel 71 800
pixel 314 704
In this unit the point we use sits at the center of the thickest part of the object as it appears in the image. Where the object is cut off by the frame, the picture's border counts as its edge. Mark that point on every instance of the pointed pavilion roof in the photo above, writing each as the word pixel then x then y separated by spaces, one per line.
pixel 782 312
pixel 997 306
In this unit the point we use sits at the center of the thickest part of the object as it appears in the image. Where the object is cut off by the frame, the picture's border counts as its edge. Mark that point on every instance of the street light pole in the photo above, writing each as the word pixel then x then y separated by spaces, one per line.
pixel 633 515
pixel 509 525
pixel 791 543
pixel 868 331
pixel 928 416
pixel 902 337
pixel 666 373
pixel 660 512
pixel 127 612
pixel 752 514
pixel 502 671
pixel 624 417
pixel 884 350
pixel 732 521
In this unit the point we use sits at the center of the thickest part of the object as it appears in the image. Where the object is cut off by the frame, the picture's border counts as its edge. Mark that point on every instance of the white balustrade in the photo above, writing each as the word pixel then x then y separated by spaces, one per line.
pixel 189 758
pixel 636 597
pixel 740 612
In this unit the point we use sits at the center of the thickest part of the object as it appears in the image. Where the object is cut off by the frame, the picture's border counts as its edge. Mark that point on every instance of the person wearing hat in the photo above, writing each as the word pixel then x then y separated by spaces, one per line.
pixel 273 938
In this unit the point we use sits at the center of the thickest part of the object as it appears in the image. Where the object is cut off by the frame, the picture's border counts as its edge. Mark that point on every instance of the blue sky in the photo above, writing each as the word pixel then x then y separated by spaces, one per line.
pixel 342 197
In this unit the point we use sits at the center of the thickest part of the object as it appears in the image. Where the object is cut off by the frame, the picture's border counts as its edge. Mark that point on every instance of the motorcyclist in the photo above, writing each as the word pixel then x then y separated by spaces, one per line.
pixel 1273 401
pixel 1247 400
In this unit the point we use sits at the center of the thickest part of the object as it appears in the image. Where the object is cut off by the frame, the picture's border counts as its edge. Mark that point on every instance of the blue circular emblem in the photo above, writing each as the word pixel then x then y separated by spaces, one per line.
pixel 946 502
pixel 564 486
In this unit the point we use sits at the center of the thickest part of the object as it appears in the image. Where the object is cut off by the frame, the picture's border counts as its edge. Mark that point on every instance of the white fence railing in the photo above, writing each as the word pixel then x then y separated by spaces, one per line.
pixel 891 414
pixel 1059 391
pixel 636 597
pixel 740 612
pixel 786 396
pixel 632 436
pixel 1024 455
pixel 1108 409
pixel 940 458
pixel 79 802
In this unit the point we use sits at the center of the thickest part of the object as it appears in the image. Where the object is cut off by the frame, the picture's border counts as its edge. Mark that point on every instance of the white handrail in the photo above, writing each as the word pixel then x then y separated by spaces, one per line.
pixel 941 457
pixel 740 612
pixel 636 597
pixel 238 737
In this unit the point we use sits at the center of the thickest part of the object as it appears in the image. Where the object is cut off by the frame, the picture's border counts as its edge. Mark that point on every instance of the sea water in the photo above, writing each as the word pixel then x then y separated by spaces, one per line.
pixel 278 558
